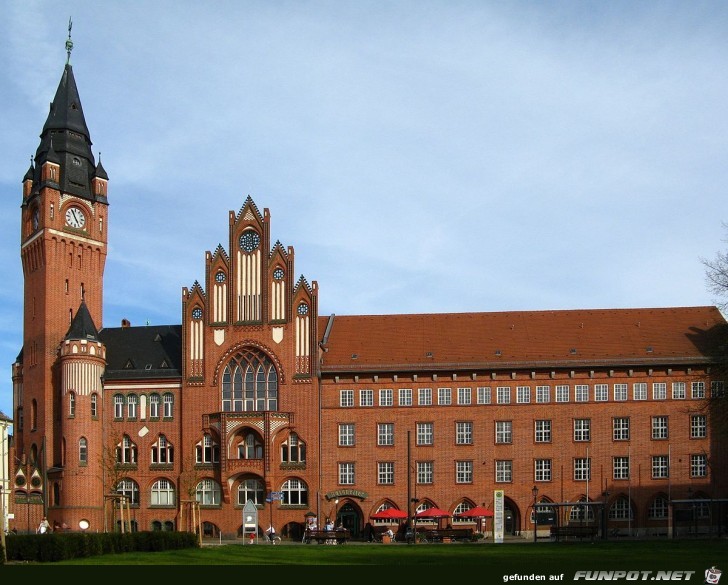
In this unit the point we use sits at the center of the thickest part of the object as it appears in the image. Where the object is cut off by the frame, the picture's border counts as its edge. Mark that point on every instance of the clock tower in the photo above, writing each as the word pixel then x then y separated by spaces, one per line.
pixel 63 252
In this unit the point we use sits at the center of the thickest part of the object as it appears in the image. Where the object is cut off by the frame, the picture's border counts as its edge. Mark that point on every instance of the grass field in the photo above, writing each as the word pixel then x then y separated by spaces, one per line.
pixel 491 563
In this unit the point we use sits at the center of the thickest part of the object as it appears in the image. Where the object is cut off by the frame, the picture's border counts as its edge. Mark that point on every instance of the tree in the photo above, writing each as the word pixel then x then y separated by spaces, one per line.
pixel 716 275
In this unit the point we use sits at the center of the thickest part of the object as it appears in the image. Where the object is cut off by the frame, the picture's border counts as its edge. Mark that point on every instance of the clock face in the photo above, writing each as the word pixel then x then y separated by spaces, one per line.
pixel 249 241
pixel 220 277
pixel 303 309
pixel 197 313
pixel 278 274
pixel 75 218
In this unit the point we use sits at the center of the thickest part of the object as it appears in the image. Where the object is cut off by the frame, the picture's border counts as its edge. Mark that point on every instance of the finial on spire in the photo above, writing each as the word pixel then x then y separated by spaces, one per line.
pixel 69 42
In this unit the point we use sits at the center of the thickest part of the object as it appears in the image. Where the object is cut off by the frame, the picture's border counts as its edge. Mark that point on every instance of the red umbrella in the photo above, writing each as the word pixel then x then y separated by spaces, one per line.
pixel 389 514
pixel 433 513
pixel 476 512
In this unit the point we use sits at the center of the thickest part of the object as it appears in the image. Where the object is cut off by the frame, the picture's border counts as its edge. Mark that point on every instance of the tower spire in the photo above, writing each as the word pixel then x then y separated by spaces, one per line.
pixel 69 42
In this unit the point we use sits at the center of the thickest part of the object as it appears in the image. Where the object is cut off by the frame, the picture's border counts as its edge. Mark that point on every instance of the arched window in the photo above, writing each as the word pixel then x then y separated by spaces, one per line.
pixel 251 489
pixel 249 383
pixel 293 450
pixel 168 405
pixel 581 513
pixel 162 493
pixel 162 451
pixel 250 446
pixel 83 451
pixel 295 492
pixel 130 489
pixel 118 406
pixel 94 405
pixel 620 509
pixel 659 508
pixel 207 451
pixel 131 405
pixel 71 404
pixel 459 509
pixel 154 401
pixel 208 493
pixel 126 451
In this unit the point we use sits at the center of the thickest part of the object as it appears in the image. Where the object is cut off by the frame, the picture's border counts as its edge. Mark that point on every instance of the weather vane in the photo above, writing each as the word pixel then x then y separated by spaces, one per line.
pixel 69 42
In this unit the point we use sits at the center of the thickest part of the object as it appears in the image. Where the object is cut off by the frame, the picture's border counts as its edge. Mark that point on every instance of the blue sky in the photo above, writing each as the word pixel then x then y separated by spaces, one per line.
pixel 420 156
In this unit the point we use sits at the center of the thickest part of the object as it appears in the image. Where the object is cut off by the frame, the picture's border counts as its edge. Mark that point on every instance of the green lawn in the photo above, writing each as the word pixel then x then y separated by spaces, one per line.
pixel 492 562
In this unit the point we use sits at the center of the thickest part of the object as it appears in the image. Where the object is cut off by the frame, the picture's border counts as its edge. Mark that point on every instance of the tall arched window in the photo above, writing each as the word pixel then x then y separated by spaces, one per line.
pixel 293 450
pixel 118 406
pixel 162 452
pixel 208 493
pixel 83 451
pixel 154 401
pixel 130 489
pixel 249 383
pixel 168 405
pixel 94 405
pixel 250 446
pixel 295 492
pixel 207 450
pixel 251 489
pixel 131 405
pixel 162 493
pixel 126 451
pixel 71 404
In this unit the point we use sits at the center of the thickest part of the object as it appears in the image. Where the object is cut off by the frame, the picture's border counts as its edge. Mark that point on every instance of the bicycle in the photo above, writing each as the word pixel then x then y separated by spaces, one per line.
pixel 274 539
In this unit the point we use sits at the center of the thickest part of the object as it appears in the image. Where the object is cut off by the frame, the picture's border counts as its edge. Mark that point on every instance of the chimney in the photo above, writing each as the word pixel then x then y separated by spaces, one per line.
pixel 125 323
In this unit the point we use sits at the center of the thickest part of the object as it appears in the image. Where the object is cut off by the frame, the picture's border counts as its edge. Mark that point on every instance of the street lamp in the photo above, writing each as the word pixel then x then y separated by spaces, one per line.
pixel 534 491
pixel 336 512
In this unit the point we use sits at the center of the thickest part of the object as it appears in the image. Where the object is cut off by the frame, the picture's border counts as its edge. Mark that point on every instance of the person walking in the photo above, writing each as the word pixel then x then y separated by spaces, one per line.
pixel 44 527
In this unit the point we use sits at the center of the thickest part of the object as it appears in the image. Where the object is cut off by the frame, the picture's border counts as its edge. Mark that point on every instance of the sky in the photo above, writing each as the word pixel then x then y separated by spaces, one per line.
pixel 420 156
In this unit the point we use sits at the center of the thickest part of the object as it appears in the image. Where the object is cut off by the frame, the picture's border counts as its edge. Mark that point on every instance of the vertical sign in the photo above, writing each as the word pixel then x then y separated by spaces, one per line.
pixel 498 515
pixel 250 521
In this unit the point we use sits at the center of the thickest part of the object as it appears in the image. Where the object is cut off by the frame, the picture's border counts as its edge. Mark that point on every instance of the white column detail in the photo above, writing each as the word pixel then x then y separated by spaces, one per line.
pixel 248 286
pixel 196 346
pixel 219 314
pixel 278 301
pixel 302 345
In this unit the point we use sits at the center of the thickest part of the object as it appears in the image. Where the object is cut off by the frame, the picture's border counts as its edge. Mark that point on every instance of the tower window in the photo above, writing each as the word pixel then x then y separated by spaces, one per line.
pixel 83 451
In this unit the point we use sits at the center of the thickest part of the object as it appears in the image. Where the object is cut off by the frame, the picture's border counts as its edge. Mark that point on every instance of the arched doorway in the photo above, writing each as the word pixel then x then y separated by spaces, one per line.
pixel 511 518
pixel 349 516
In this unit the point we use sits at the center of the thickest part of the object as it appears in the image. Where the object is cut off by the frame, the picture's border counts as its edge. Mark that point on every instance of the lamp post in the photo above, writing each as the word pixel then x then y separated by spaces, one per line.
pixel 534 491
pixel 336 512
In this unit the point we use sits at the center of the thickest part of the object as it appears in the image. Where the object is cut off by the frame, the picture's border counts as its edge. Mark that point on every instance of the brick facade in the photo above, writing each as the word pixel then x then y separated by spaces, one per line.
pixel 255 394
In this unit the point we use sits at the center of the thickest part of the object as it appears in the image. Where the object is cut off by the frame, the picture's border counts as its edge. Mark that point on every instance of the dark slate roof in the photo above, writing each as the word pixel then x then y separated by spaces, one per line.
pixel 136 353
pixel 66 112
pixel 101 171
pixel 65 140
pixel 4 417
pixel 82 326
